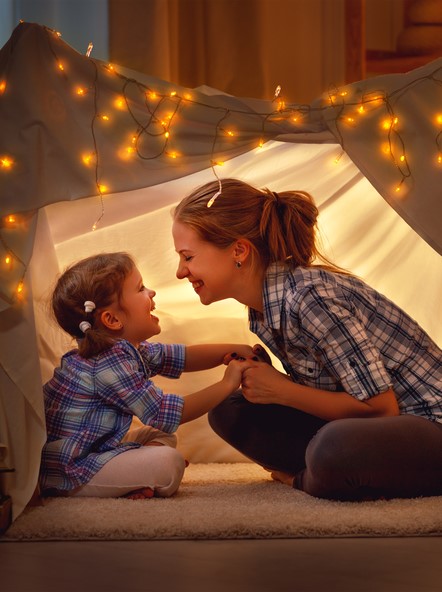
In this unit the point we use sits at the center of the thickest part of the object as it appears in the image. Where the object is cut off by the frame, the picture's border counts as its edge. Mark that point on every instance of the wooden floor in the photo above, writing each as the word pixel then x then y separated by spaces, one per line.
pixel 278 565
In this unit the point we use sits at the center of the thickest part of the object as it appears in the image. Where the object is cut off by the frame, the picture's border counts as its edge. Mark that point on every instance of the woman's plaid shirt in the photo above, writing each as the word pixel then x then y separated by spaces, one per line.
pixel 331 331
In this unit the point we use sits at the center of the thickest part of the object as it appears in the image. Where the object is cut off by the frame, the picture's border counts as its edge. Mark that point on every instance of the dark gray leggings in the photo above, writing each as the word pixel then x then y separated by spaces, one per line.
pixel 345 459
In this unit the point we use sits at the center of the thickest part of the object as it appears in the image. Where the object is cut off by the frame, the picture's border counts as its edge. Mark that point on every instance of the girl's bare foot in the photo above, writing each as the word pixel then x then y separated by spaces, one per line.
pixel 285 478
pixel 139 494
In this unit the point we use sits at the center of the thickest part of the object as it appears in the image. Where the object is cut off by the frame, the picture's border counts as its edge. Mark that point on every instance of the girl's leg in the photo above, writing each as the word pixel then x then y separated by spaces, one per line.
pixel 159 468
pixel 369 458
pixel 273 436
pixel 146 435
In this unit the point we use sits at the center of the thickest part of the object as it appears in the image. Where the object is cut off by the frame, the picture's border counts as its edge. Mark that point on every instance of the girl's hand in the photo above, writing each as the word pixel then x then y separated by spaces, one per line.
pixel 260 383
pixel 234 372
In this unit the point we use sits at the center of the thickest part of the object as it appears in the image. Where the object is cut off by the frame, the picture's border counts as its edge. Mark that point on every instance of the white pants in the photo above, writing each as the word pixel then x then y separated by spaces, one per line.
pixel 159 467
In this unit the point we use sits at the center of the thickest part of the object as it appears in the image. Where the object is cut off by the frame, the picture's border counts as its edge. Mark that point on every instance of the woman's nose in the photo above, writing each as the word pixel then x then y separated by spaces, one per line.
pixel 181 271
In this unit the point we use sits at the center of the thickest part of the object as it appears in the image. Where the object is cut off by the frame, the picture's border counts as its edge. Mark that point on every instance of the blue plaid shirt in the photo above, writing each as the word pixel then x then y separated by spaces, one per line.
pixel 90 403
pixel 333 332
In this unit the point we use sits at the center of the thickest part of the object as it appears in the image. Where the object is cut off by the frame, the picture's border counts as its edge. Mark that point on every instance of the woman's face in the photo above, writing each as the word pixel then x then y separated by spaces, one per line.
pixel 209 269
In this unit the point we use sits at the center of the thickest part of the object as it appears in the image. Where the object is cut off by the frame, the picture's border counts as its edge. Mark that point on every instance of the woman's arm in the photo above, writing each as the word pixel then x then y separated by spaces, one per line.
pixel 263 384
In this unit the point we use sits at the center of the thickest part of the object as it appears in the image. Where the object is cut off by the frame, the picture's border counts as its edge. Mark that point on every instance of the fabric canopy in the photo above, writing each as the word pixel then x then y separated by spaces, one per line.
pixel 92 157
pixel 74 127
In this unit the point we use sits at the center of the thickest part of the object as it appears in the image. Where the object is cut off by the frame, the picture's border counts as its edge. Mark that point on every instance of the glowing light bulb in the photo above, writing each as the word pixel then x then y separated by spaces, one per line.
pixel 230 133
pixel 80 91
pixel 104 117
pixel 120 103
pixel 338 158
pixel 87 158
pixel 103 188
pixel 261 143
pixel 60 66
pixel 361 109
pixel 151 95
pixel 172 154
pixel 167 134
pixel 126 152
pixel 402 158
pixel 11 219
pixel 2 87
pixel 439 158
pixel 173 93
pixel 398 187
pixel 6 162
pixel 20 288
pixel 8 259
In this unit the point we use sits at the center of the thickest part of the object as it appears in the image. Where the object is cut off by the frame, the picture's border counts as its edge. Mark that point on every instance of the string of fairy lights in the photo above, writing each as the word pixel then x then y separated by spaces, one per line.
pixel 154 114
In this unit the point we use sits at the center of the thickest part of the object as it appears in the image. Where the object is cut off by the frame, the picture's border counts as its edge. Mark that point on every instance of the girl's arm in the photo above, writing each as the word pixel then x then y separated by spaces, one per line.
pixel 205 356
pixel 199 403
pixel 263 384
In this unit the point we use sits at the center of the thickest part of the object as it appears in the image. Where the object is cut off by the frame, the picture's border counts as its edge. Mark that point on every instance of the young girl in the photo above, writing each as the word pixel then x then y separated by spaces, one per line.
pixel 359 413
pixel 98 389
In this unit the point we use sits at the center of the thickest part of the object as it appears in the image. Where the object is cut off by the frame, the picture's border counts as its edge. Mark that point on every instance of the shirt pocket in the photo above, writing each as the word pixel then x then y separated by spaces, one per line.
pixel 304 369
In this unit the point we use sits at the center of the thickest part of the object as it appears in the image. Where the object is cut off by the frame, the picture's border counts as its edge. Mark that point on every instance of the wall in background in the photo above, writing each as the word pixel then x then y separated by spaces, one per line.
pixel 79 21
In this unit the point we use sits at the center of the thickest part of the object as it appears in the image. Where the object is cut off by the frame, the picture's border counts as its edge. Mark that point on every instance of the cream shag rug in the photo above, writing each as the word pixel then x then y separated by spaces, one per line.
pixel 226 501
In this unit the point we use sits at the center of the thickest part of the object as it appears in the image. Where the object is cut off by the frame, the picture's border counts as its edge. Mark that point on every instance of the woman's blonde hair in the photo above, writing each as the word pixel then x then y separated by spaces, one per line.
pixel 99 279
pixel 280 226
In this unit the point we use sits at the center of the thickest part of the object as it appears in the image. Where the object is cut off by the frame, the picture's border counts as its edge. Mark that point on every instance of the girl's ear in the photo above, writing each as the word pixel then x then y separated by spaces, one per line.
pixel 110 321
pixel 242 249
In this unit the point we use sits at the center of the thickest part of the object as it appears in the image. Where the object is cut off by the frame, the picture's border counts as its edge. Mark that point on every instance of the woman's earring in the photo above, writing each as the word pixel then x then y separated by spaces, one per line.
pixel 238 264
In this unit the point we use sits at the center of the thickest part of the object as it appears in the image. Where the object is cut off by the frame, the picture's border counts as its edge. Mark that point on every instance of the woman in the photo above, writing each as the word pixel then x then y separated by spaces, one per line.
pixel 359 413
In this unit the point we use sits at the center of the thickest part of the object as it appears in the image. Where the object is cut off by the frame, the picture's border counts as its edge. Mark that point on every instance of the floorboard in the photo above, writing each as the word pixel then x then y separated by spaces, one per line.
pixel 277 565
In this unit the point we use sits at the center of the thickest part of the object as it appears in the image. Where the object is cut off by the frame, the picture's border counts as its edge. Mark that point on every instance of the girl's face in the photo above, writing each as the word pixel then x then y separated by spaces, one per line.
pixel 209 269
pixel 136 315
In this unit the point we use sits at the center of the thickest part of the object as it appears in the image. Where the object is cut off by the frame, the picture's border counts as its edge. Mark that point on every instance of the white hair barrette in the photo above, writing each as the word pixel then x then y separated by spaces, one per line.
pixel 89 306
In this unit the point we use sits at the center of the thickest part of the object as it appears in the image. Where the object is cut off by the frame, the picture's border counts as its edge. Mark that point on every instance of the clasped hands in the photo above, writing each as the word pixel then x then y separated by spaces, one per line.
pixel 257 377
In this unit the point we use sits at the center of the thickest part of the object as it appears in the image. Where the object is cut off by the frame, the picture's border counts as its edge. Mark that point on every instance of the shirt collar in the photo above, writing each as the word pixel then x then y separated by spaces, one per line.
pixel 272 297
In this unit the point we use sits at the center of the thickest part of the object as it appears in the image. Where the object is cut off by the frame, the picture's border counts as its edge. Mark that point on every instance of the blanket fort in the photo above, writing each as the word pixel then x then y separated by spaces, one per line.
pixel 92 156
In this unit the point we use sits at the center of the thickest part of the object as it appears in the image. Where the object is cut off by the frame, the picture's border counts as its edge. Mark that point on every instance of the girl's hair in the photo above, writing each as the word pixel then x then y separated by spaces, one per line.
pixel 280 226
pixel 99 279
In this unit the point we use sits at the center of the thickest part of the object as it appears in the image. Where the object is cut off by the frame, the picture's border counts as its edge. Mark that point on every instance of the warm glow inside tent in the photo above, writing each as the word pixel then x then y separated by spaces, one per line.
pixel 93 158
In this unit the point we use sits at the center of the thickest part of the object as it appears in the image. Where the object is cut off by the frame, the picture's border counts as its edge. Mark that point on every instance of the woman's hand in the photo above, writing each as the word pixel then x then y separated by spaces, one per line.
pixel 260 383
pixel 256 353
